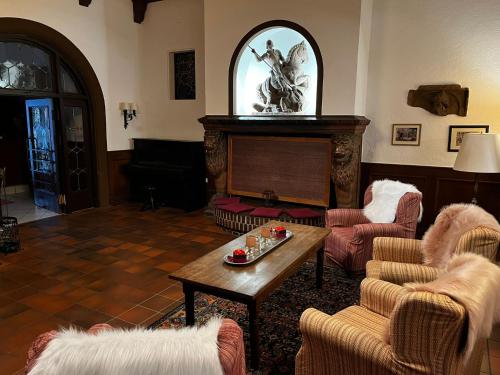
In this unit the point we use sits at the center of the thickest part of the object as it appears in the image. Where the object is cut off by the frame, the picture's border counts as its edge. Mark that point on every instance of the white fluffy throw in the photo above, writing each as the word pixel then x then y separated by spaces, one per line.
pixel 385 199
pixel 473 281
pixel 187 351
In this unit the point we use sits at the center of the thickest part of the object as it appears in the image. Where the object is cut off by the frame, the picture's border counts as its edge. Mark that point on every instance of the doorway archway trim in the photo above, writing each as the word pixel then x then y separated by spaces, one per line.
pixel 52 39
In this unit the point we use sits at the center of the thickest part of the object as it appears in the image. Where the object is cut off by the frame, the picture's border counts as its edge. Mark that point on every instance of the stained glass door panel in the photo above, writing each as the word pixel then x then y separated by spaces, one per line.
pixel 77 169
pixel 42 153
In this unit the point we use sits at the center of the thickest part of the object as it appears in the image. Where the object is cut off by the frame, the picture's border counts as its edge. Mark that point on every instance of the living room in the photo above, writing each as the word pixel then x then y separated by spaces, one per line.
pixel 182 131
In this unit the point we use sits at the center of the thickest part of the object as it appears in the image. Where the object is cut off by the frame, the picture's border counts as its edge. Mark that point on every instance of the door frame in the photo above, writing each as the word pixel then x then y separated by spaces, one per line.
pixel 54 145
pixel 42 36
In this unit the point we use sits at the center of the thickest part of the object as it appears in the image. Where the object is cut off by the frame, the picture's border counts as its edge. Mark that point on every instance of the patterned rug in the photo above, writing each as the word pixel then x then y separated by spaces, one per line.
pixel 279 314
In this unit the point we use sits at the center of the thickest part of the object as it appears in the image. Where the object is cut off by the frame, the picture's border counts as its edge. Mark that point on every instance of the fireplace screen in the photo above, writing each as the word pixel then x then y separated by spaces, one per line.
pixel 276 73
pixel 294 169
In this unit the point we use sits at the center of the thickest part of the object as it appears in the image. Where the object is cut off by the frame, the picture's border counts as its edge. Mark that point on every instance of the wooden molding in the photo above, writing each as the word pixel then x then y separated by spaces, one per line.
pixel 85 3
pixel 140 7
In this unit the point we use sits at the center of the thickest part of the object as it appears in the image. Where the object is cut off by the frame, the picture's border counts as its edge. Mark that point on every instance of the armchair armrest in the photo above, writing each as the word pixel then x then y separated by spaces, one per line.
pixel 367 232
pixel 425 328
pixel 231 348
pixel 380 296
pixel 403 250
pixel 345 217
pixel 327 342
pixel 400 273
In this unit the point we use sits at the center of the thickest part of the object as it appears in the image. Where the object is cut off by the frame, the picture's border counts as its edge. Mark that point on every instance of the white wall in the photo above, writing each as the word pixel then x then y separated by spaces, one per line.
pixel 130 60
pixel 173 25
pixel 430 42
pixel 334 24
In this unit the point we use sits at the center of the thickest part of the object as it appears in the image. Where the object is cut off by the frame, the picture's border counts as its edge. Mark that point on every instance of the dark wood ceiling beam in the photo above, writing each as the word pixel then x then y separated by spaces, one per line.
pixel 140 7
pixel 85 3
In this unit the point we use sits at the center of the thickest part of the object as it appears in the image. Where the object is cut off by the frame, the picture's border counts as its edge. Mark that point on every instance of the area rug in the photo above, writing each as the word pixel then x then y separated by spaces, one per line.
pixel 280 339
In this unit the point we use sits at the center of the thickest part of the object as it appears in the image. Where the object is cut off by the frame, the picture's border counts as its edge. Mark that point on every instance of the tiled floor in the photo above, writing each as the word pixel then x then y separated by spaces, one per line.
pixel 21 206
pixel 106 265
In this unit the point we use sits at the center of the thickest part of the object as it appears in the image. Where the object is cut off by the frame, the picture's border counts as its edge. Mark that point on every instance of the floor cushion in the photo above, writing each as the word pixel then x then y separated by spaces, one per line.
pixel 266 212
pixel 303 213
pixel 236 207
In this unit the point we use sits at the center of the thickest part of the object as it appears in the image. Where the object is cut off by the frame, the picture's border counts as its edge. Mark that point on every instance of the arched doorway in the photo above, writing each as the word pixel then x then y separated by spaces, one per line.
pixel 62 76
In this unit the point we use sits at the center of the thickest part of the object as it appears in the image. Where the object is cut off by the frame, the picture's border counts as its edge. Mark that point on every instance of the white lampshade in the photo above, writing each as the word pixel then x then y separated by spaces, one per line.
pixel 479 153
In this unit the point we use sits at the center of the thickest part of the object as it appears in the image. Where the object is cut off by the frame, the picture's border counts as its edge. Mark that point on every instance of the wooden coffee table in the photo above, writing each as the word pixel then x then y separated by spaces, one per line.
pixel 253 283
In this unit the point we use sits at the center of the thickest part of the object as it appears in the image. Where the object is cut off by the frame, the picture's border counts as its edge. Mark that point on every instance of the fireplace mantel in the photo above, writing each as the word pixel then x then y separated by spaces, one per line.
pixel 316 125
pixel 345 132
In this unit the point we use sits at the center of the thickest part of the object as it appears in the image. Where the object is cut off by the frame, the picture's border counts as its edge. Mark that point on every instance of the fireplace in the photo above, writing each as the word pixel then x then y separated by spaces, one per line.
pixel 275 142
pixel 336 139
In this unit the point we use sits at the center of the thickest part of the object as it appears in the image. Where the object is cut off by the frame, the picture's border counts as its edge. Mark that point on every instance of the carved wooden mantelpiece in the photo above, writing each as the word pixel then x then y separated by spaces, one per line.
pixel 345 132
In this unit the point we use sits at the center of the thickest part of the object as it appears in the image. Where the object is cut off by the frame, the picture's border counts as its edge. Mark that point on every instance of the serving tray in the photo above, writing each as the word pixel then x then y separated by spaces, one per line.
pixel 263 251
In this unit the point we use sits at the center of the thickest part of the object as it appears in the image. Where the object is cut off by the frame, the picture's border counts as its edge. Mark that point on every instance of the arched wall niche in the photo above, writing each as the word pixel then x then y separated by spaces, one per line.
pixel 51 39
pixel 243 45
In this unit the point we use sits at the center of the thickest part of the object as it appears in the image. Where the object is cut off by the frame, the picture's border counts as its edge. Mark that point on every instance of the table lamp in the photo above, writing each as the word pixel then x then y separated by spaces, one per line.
pixel 479 153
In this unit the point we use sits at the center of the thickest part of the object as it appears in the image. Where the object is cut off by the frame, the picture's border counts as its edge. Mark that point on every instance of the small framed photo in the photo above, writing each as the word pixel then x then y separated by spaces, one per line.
pixel 457 132
pixel 406 134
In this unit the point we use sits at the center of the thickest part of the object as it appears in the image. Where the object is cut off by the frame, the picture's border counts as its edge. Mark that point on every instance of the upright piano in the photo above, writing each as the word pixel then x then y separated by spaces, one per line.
pixel 176 170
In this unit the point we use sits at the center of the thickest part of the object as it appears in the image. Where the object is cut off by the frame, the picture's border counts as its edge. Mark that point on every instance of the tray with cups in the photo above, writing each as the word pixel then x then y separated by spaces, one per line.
pixel 257 246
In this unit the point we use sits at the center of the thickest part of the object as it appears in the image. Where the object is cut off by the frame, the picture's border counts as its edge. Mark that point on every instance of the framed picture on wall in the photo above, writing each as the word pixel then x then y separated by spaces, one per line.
pixel 182 75
pixel 406 134
pixel 456 134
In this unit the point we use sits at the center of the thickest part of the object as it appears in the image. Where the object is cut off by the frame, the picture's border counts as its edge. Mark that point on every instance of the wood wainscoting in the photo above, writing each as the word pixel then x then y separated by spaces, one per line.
pixel 119 182
pixel 439 186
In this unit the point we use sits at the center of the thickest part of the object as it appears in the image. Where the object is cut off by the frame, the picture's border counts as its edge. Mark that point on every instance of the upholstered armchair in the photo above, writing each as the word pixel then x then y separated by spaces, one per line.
pixel 350 243
pixel 401 260
pixel 393 331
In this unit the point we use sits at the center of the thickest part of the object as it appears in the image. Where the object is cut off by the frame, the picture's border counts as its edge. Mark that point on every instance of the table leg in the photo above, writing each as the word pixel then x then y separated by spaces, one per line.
pixel 320 262
pixel 189 304
pixel 254 335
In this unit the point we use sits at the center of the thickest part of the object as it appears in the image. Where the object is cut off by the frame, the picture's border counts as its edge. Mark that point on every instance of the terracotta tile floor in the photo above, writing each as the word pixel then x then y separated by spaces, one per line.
pixel 103 265
pixel 106 265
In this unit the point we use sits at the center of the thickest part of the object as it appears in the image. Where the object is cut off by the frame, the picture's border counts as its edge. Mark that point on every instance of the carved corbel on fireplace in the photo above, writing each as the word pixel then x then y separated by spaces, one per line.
pixel 216 159
pixel 346 161
pixel 345 132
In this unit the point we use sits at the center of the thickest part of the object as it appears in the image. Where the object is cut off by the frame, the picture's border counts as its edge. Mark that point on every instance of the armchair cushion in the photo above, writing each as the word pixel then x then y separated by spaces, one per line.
pixel 380 296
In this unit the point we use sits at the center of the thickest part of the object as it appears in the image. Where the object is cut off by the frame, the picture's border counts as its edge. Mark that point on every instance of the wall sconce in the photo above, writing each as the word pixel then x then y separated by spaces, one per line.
pixel 129 112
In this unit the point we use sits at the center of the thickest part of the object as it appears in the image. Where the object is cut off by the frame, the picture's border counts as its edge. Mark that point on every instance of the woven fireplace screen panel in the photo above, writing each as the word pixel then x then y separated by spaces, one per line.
pixel 295 169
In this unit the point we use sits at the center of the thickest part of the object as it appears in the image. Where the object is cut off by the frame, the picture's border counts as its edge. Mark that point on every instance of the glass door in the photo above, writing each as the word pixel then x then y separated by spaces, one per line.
pixel 76 149
pixel 42 153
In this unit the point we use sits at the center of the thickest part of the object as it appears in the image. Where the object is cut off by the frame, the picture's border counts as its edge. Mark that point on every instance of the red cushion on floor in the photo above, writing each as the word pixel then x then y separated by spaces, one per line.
pixel 303 213
pixel 226 200
pixel 237 207
pixel 266 212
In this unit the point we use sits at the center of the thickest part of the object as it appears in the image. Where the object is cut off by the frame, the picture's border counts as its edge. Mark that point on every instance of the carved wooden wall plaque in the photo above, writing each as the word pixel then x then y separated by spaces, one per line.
pixel 440 100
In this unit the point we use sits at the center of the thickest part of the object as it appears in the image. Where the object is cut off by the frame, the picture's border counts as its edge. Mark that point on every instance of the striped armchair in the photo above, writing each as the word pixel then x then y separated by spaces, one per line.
pixel 350 243
pixel 393 331
pixel 400 260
